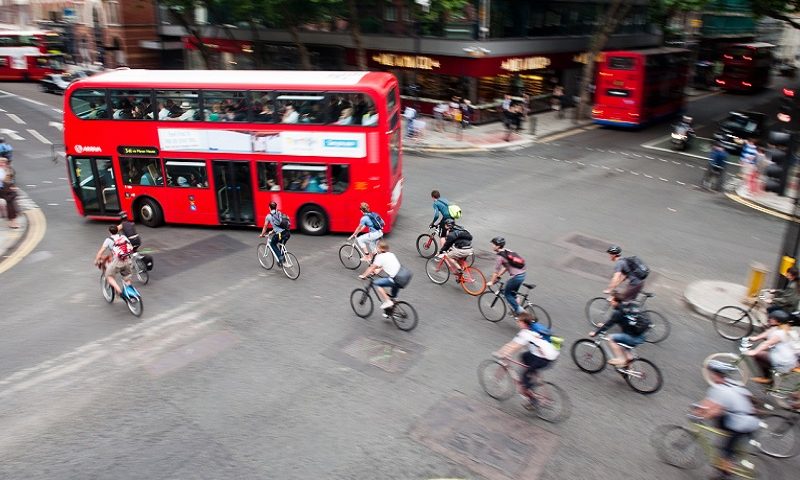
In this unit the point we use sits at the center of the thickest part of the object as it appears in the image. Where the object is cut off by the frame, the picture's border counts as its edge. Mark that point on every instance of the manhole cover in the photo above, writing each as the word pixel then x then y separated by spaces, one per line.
pixel 384 355
pixel 589 243
pixel 485 440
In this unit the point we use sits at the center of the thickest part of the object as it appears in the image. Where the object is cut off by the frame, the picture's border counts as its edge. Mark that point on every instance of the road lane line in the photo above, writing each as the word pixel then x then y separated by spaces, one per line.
pixel 663 179
pixel 57 110
pixel 620 170
pixel 33 101
pixel 679 182
pixel 15 118
pixel 37 226
pixel 634 173
pixel 47 181
pixel 647 176
pixel 39 137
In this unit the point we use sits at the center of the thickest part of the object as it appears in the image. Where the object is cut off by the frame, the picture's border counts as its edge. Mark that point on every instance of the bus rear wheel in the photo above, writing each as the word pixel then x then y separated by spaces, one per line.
pixel 313 220
pixel 149 213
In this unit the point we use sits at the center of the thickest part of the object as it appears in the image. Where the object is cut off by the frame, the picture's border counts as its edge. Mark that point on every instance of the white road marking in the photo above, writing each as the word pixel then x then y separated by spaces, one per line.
pixel 676 163
pixel 11 133
pixel 663 160
pixel 637 155
pixel 31 185
pixel 47 181
pixel 649 157
pixel 1 110
pixel 581 164
pixel 33 101
pixel 606 168
pixel 671 209
pixel 55 205
pixel 57 125
pixel 663 179
pixel 57 110
pixel 679 182
pixel 689 165
pixel 7 94
pixel 39 137
pixel 595 165
pixel 620 170
pixel 634 173
pixel 62 178
pixel 611 151
pixel 648 176
pixel 15 118
pixel 70 200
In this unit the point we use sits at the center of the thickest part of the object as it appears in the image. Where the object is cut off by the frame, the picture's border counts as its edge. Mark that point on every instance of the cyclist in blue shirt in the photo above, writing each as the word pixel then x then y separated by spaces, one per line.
pixel 6 150
pixel 369 241
pixel 441 212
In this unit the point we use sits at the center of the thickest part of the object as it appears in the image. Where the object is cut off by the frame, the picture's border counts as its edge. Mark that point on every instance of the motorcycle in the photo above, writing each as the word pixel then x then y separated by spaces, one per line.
pixel 682 134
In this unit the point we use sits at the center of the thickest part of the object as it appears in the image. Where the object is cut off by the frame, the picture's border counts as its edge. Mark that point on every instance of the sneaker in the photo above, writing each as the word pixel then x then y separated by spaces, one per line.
pixel 387 304
pixel 762 380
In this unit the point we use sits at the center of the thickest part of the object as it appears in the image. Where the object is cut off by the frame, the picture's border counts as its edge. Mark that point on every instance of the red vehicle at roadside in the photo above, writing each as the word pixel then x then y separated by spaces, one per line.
pixel 216 147
pixel 746 67
pixel 638 87
pixel 29 54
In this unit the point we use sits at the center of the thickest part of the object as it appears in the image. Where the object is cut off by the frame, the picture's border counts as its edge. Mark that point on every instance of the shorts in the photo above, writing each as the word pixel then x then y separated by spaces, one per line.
pixel 387 282
pixel 630 293
pixel 369 241
pixel 455 253
pixel 627 339
pixel 117 266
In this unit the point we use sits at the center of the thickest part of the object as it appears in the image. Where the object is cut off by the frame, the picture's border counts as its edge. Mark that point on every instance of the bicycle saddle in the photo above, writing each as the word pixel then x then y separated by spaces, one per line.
pixel 648 294
pixel 529 285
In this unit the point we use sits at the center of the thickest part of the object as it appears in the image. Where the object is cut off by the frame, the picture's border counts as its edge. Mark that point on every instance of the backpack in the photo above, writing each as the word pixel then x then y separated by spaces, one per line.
pixel 377 221
pixel 513 259
pixel 403 277
pixel 462 234
pixel 122 248
pixel 547 334
pixel 285 222
pixel 454 211
pixel 636 322
pixel 637 267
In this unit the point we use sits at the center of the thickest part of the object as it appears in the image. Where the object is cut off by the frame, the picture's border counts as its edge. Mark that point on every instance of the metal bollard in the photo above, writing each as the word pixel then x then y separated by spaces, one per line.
pixel 532 124
pixel 758 273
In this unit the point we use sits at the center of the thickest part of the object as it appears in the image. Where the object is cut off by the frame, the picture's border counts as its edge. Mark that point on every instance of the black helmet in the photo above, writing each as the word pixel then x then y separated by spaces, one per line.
pixel 779 315
pixel 721 367
pixel 499 241
pixel 614 250
pixel 449 222
pixel 273 206
pixel 123 216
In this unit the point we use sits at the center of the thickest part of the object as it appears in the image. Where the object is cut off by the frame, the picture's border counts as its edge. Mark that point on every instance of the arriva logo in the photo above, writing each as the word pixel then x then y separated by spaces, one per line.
pixel 87 149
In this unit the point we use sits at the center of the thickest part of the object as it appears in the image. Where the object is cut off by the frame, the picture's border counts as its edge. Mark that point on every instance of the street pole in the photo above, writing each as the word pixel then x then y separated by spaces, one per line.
pixel 791 238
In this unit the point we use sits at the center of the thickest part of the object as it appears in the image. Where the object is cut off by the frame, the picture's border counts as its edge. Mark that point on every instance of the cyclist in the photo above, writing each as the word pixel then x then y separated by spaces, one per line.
pixel 633 325
pixel 369 241
pixel 457 245
pixel 129 230
pixel 508 261
pixel 538 355
pixel 776 351
pixel 121 251
pixel 274 219
pixel 787 298
pixel 731 404
pixel 624 270
pixel 441 212
pixel 387 262
pixel 6 150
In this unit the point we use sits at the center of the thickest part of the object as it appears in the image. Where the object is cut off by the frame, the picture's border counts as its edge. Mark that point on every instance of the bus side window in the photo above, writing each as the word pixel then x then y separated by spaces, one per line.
pixel 131 105
pixel 224 106
pixel 177 105
pixel 340 178
pixel 305 178
pixel 263 108
pixel 268 177
pixel 141 171
pixel 186 173
pixel 89 104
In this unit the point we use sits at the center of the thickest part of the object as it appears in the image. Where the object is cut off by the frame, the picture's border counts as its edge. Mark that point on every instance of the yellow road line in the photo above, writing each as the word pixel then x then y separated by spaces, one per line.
pixel 37 226
pixel 755 206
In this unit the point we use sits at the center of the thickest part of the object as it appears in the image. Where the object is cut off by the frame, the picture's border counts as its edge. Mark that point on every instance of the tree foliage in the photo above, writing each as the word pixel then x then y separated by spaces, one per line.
pixel 778 9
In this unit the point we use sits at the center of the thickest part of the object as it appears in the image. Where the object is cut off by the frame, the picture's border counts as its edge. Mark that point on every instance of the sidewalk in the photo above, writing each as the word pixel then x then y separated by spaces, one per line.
pixel 767 202
pixel 489 137
pixel 707 296
pixel 10 238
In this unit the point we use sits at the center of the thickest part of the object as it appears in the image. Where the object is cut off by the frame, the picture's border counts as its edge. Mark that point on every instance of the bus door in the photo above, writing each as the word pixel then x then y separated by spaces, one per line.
pixel 233 189
pixel 94 183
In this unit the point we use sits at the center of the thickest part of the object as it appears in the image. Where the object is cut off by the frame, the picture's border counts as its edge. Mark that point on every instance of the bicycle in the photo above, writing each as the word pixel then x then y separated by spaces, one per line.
pixel 290 265
pixel 402 314
pixel 684 447
pixel 733 322
pixel 778 435
pixel 428 245
pixel 139 268
pixel 598 311
pixel 778 389
pixel 591 355
pixel 493 305
pixel 350 254
pixel 499 380
pixel 472 280
pixel 131 296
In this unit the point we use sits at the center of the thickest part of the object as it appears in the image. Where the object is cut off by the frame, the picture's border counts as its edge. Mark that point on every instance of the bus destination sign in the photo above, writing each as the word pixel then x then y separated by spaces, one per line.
pixel 147 151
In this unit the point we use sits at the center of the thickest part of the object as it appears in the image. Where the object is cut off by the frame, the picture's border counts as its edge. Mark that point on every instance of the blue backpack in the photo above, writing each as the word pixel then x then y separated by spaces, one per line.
pixel 377 221
pixel 542 330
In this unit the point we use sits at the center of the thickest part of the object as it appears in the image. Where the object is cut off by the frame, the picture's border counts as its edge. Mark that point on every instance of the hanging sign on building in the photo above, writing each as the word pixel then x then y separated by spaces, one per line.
pixel 406 61
pixel 584 58
pixel 528 63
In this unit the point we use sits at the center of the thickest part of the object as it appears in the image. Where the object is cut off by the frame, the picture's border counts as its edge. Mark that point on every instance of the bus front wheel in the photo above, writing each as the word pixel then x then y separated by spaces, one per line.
pixel 313 220
pixel 149 213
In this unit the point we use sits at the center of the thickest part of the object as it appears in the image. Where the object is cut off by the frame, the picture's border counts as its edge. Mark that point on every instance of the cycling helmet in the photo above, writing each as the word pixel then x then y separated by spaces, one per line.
pixel 449 222
pixel 614 250
pixel 273 205
pixel 123 216
pixel 779 315
pixel 721 367
pixel 499 241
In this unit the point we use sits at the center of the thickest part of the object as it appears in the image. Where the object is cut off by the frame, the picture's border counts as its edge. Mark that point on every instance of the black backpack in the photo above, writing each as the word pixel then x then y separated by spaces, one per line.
pixel 637 267
pixel 285 222
pixel 513 258
pixel 636 321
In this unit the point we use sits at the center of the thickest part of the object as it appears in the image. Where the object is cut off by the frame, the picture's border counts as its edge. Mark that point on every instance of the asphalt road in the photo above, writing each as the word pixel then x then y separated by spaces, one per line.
pixel 236 372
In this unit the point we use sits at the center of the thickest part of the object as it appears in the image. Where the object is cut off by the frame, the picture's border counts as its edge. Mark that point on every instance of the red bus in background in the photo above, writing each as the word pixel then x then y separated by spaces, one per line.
pixel 44 41
pixel 26 63
pixel 746 67
pixel 215 147
pixel 637 87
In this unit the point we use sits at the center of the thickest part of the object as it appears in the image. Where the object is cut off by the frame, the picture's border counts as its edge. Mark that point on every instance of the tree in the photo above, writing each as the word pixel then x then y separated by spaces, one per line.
pixel 184 12
pixel 779 10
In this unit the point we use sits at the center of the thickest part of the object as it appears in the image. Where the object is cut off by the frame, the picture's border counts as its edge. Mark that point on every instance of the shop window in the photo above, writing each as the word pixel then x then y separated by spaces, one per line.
pixel 141 171
pixel 131 105
pixel 89 104
pixel 178 105
pixel 224 106
pixel 340 178
pixel 268 177
pixel 186 173
pixel 305 178
pixel 390 13
pixel 263 107
pixel 300 107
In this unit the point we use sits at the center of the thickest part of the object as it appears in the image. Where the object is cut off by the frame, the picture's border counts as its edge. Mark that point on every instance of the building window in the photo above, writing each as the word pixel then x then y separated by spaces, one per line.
pixel 390 13
pixel 113 12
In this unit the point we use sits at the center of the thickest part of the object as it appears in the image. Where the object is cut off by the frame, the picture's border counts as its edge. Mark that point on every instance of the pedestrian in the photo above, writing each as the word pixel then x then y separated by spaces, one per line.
pixel 558 100
pixel 747 161
pixel 514 122
pixel 762 162
pixel 6 150
pixel 466 113
pixel 410 115
pixel 8 191
pixel 439 112
pixel 716 168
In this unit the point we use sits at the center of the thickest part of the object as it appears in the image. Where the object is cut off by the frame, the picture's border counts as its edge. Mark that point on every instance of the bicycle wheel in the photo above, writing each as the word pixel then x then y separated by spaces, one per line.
pixel 496 379
pixel 588 355
pixel 427 246
pixel 107 289
pixel 677 446
pixel 737 360
pixel 404 316
pixel 472 281
pixel 643 376
pixel 437 271
pixel 492 306
pixel 470 259
pixel 750 465
pixel 291 267
pixel 361 302
pixel 135 305
pixel 539 313
pixel 141 271
pixel 598 310
pixel 552 403
pixel 265 258
pixel 350 256
pixel 732 322
pixel 659 328
pixel 778 436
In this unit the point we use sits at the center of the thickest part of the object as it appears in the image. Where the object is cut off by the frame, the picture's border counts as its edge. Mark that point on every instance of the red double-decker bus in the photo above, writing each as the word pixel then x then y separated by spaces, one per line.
pixel 29 54
pixel 634 88
pixel 216 147
pixel 746 67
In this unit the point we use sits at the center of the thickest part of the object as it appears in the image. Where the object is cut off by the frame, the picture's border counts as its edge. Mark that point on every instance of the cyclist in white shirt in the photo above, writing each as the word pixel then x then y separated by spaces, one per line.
pixel 387 262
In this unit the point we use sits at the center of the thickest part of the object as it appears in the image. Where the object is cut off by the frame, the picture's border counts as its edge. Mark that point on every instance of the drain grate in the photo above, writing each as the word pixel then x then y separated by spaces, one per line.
pixel 587 242
pixel 384 355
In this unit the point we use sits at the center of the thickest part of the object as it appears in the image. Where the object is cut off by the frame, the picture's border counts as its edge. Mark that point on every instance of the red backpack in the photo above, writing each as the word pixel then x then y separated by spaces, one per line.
pixel 513 259
pixel 122 247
